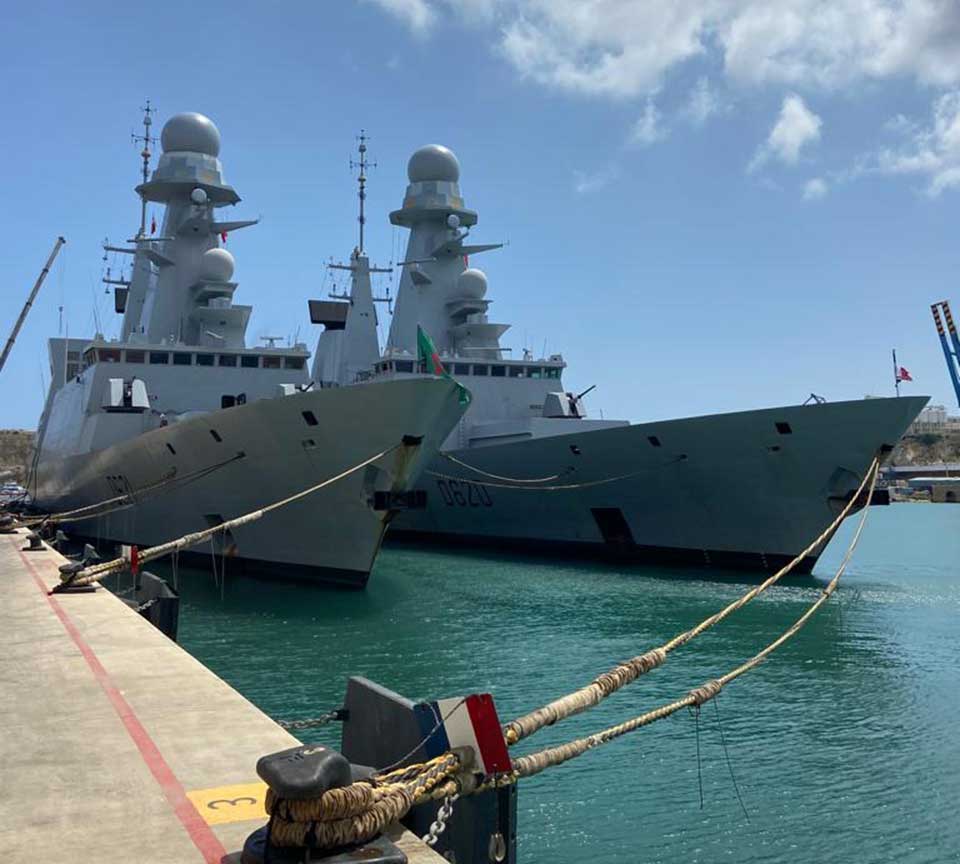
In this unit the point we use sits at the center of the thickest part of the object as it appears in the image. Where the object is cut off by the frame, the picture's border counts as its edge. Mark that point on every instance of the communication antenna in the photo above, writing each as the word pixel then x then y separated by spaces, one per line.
pixel 145 139
pixel 362 164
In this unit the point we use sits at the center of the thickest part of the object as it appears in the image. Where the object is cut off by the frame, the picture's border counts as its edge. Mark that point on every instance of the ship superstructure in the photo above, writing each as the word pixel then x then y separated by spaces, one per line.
pixel 528 467
pixel 199 427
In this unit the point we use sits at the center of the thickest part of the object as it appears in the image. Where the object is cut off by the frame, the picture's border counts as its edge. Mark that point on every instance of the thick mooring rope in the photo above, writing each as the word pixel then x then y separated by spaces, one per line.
pixel 534 763
pixel 357 813
pixel 628 671
pixel 95 573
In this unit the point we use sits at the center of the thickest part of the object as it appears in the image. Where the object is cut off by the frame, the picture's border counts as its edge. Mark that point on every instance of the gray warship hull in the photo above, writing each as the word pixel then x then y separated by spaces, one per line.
pixel 198 472
pixel 746 490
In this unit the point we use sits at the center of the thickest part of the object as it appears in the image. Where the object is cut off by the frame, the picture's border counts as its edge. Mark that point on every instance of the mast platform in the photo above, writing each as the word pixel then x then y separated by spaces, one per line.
pixel 119 746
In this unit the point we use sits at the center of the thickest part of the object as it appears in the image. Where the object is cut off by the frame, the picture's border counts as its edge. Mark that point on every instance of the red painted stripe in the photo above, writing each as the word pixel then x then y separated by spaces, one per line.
pixel 200 833
pixel 486 727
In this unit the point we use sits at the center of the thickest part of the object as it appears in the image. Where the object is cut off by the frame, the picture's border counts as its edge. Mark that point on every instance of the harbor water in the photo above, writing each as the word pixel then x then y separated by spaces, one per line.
pixel 844 745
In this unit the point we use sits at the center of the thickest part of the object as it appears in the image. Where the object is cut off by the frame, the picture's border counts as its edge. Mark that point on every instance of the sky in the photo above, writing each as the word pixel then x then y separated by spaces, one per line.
pixel 708 205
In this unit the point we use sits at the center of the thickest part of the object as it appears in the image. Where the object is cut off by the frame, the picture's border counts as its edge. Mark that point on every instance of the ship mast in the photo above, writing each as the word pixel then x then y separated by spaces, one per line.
pixel 146 139
pixel 362 164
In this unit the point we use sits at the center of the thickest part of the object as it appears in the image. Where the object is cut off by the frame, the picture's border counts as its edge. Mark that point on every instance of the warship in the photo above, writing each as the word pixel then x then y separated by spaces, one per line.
pixel 187 426
pixel 527 467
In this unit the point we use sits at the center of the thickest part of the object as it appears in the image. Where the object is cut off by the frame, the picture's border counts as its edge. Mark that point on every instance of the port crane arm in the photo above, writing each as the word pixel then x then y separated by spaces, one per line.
pixel 951 356
pixel 26 306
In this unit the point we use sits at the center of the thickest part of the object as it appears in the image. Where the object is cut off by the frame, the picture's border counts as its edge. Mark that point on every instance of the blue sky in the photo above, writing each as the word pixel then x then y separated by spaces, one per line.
pixel 709 205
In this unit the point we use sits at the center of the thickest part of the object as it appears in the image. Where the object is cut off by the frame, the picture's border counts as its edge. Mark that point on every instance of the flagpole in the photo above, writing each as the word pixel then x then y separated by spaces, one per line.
pixel 896 374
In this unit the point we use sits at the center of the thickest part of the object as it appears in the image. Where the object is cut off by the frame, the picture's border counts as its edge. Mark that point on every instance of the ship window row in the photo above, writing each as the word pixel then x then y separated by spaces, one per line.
pixel 185 358
pixel 491 370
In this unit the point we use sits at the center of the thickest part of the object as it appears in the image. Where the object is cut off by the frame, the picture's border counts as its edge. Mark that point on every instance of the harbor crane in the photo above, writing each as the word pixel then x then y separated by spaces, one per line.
pixel 951 349
pixel 26 306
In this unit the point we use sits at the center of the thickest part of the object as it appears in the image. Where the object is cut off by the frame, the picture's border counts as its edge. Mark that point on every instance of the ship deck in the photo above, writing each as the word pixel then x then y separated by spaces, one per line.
pixel 118 745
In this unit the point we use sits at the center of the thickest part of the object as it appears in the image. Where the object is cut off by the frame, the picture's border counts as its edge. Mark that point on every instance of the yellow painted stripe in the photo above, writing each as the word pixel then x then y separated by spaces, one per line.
pixel 238 803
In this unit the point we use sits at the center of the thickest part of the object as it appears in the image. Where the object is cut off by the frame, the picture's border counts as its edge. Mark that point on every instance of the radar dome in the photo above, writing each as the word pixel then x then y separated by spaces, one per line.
pixel 433 162
pixel 472 284
pixel 192 132
pixel 216 265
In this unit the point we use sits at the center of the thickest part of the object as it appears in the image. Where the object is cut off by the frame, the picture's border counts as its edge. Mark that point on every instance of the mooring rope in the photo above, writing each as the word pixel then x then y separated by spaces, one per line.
pixel 95 573
pixel 556 487
pixel 360 811
pixel 625 673
pixel 534 763
pixel 128 499
pixel 480 471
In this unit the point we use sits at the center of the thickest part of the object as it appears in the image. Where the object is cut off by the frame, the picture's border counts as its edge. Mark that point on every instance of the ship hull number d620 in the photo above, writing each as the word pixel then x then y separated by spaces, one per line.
pixel 463 493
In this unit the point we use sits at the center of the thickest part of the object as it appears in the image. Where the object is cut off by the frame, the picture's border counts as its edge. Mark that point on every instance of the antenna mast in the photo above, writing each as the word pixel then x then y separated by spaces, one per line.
pixel 362 164
pixel 146 139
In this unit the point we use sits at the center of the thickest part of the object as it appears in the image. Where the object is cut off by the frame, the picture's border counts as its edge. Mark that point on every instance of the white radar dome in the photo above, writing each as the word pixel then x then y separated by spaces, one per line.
pixel 472 284
pixel 192 132
pixel 216 265
pixel 198 196
pixel 433 162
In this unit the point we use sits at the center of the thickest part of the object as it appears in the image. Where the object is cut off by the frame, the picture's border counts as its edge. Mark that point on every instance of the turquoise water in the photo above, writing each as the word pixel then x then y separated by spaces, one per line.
pixel 845 744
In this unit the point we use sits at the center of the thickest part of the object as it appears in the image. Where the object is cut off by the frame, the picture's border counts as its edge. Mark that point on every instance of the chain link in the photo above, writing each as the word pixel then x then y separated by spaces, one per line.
pixel 440 825
pixel 313 722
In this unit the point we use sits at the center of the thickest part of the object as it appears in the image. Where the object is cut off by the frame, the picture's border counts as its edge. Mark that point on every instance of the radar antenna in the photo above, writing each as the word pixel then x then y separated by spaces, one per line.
pixel 362 164
pixel 146 139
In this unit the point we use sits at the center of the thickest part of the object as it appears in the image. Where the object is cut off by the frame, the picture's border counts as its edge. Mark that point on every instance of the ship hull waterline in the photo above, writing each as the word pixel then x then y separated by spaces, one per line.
pixel 746 490
pixel 263 452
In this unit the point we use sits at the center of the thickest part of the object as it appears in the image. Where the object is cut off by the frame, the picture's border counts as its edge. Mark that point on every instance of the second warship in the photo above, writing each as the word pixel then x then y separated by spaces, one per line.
pixel 189 427
pixel 527 467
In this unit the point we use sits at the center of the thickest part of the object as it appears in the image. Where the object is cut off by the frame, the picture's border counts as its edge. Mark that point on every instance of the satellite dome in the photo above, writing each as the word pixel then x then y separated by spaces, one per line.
pixel 433 162
pixel 216 265
pixel 472 284
pixel 192 132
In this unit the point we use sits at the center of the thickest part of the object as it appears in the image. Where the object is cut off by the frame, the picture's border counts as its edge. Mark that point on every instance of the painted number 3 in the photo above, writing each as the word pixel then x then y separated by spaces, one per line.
pixel 233 802
pixel 463 493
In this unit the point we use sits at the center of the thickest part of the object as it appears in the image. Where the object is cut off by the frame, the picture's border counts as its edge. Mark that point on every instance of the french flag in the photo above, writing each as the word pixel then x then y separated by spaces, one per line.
pixel 465 722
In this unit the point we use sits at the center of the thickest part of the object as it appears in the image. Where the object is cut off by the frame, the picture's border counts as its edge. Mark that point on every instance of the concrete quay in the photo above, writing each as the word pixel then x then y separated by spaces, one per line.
pixel 117 745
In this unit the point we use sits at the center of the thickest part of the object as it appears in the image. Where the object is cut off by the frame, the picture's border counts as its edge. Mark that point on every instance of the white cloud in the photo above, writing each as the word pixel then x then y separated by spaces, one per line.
pixel 815 189
pixel 625 48
pixel 796 127
pixel 418 15
pixel 703 102
pixel 932 152
pixel 648 129
pixel 585 182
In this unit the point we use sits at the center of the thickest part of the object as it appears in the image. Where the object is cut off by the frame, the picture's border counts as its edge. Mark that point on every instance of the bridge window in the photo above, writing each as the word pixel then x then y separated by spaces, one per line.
pixel 204 359
pixel 498 371
pixel 110 355
pixel 249 361
pixel 534 372
pixel 271 361
pixel 553 373
pixel 481 370
pixel 182 359
pixel 404 366
pixel 136 356
pixel 517 371
pixel 90 356
pixel 461 368
pixel 293 362
pixel 159 358
pixel 227 360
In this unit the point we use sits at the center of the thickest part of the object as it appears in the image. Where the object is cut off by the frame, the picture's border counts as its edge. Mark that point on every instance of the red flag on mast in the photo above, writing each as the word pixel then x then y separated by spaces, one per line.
pixel 903 375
